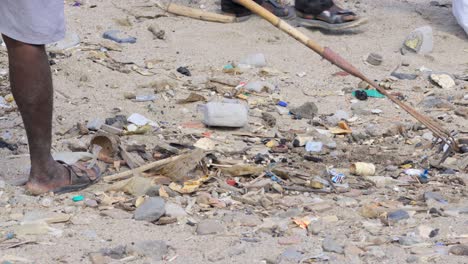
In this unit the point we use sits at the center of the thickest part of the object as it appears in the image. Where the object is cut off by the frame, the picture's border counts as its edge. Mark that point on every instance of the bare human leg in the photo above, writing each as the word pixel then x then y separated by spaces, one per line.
pixel 31 85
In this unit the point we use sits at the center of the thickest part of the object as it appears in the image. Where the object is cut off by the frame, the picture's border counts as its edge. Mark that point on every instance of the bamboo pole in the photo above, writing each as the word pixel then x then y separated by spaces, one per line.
pixel 198 14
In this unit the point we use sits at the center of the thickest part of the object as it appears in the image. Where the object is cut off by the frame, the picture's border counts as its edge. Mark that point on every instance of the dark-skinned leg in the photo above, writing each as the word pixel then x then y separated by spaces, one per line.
pixel 31 85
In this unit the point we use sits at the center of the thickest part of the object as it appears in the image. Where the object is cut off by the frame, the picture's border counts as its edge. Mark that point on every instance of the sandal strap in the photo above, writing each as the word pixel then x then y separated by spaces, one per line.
pixel 334 17
pixel 80 174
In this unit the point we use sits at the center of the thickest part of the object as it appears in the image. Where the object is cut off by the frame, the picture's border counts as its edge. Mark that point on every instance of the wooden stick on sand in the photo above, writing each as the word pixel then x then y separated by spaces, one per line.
pixel 181 10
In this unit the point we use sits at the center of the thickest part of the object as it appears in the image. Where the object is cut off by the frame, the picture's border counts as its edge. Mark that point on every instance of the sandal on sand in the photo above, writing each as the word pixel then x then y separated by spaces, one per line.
pixel 80 177
pixel 334 18
pixel 279 9
pixel 228 7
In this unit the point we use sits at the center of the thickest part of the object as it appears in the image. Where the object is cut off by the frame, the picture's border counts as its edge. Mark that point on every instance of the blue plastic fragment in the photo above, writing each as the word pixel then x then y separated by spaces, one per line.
pixel 282 103
pixel 112 35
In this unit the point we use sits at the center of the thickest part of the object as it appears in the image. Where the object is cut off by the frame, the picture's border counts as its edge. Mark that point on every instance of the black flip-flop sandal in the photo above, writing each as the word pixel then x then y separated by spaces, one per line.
pixel 329 20
pixel 81 177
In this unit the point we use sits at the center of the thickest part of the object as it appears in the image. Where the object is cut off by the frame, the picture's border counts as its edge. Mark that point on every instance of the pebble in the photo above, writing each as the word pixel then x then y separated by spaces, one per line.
pixel 290 255
pixel 412 259
pixel 150 210
pixel 47 201
pixel 116 214
pixel 95 124
pixel 330 245
pixel 175 210
pixel 459 250
pixel 98 258
pixel 2 184
pixel 291 240
pixel 307 110
pixel 347 202
pixel 397 216
pixel 409 240
pixel 209 227
pixel 375 252
pixel 427 231
pixel 154 249
pixel 91 203
pixel 434 196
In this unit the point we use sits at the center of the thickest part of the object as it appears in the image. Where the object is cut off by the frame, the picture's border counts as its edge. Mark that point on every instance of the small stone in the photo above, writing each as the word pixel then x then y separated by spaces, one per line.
pixel 397 215
pixel 315 228
pixel 290 255
pixel 330 245
pixel 307 111
pixel 319 207
pixel 330 219
pixel 353 253
pixel 117 252
pixel 98 258
pixel 409 240
pixel 347 202
pixel 292 240
pixel 370 211
pixel 209 226
pixel 282 110
pixel 175 210
pixel 95 124
pixel 412 259
pixel 150 210
pixel 459 250
pixel 91 203
pixel 69 209
pixel 337 117
pixel 47 201
pixel 154 249
pixel 2 184
pixel 434 196
pixel 428 136
pixel 427 231
pixel 116 214
pixel 375 252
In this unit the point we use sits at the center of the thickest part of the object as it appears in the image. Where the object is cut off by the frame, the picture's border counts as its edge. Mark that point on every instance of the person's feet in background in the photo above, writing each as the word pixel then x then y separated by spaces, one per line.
pixel 310 13
pixel 277 7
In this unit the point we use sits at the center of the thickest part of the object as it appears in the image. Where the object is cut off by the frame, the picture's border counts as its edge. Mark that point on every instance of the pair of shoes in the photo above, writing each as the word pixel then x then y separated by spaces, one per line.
pixel 323 14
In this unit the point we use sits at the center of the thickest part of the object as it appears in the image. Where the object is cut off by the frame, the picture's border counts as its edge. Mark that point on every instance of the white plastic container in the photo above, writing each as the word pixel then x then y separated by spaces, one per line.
pixel 225 114
pixel 460 11
pixel 254 60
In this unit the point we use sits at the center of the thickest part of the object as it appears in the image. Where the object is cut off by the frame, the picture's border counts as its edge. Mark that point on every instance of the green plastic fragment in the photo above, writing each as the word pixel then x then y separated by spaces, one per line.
pixel 78 198
pixel 371 93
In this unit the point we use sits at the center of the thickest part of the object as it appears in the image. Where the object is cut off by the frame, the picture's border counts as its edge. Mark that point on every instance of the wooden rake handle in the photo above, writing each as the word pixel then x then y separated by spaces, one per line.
pixel 336 59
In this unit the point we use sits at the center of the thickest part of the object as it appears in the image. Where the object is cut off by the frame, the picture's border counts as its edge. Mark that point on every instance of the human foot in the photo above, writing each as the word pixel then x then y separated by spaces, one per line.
pixel 331 18
pixel 63 178
pixel 53 176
